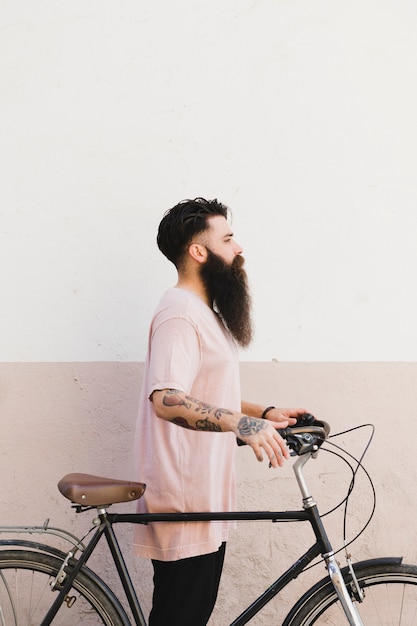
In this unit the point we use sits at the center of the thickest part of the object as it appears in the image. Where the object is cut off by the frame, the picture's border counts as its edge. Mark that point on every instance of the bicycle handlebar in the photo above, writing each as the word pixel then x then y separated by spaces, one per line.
pixel 305 436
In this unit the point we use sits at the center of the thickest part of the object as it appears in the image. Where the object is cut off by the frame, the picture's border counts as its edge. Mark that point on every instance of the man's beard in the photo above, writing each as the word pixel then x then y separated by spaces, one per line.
pixel 227 287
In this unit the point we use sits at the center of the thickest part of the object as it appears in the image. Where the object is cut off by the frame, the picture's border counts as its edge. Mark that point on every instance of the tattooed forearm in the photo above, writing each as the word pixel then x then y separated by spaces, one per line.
pixel 173 398
pixel 188 412
pixel 218 413
pixel 250 426
pixel 203 408
pixel 199 425
pixel 199 407
pixel 180 421
pixel 208 426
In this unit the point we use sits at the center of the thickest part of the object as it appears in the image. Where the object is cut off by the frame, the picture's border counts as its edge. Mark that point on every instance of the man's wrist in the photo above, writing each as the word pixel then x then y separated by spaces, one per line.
pixel 266 411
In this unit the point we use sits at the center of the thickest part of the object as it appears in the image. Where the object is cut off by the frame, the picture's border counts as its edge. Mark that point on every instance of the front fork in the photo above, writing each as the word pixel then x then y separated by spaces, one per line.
pixel 339 584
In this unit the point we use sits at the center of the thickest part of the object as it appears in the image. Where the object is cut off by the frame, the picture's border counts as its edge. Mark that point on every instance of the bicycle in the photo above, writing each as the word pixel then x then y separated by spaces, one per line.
pixel 41 585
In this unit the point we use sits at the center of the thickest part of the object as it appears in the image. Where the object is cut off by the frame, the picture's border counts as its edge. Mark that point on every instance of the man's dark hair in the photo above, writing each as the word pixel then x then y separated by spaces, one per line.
pixel 182 223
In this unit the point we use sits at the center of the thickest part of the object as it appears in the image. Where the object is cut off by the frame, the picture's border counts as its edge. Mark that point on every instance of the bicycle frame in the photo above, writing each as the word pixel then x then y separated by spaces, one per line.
pixel 322 546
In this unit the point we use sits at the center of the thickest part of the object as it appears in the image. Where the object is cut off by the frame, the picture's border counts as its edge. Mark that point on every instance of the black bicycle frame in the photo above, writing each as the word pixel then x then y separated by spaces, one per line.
pixel 310 514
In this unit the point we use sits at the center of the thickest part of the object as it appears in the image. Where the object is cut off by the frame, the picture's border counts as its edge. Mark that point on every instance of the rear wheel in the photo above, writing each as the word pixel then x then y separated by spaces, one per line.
pixel 390 590
pixel 26 594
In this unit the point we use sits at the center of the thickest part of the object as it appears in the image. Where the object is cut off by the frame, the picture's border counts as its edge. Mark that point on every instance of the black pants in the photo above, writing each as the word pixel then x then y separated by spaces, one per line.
pixel 185 591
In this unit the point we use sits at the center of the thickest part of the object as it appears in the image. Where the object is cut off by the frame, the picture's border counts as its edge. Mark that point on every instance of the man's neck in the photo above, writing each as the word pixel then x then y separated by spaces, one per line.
pixel 195 285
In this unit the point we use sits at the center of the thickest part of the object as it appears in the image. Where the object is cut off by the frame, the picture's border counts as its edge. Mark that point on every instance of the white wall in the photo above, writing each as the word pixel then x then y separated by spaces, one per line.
pixel 298 114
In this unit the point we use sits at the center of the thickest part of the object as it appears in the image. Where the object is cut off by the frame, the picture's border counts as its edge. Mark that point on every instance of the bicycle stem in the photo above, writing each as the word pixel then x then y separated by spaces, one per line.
pixel 298 471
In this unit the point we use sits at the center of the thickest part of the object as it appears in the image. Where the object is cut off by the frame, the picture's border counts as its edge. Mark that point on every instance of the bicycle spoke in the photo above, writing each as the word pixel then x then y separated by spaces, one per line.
pixel 26 594
pixel 390 598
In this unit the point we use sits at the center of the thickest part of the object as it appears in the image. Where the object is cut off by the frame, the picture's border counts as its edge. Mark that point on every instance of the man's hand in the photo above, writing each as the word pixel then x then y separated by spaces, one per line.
pixel 261 435
pixel 285 417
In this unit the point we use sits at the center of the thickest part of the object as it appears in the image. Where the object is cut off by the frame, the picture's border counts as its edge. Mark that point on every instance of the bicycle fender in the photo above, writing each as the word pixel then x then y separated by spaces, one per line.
pixel 34 545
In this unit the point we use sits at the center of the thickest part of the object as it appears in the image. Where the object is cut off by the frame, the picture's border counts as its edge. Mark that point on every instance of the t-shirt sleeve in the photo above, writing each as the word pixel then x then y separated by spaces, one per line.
pixel 175 355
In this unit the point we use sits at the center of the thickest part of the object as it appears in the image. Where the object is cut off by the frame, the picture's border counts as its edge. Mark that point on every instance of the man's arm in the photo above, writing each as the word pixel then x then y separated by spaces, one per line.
pixel 180 409
pixel 274 414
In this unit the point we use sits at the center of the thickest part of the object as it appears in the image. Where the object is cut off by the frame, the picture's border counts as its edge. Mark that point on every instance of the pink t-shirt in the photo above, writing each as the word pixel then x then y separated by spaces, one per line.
pixel 185 470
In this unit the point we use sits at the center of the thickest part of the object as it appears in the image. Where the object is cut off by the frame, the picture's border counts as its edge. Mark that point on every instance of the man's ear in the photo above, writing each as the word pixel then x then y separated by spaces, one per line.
pixel 198 252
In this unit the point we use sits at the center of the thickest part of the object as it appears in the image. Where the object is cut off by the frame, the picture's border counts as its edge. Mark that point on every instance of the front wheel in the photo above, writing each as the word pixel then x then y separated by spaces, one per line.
pixel 26 595
pixel 390 590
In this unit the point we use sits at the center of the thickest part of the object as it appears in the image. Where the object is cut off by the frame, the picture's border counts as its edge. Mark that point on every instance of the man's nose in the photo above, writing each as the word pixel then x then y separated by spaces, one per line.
pixel 238 249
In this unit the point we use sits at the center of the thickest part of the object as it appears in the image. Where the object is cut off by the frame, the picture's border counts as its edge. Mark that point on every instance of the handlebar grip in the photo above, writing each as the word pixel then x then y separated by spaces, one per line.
pixel 284 432
pixel 307 432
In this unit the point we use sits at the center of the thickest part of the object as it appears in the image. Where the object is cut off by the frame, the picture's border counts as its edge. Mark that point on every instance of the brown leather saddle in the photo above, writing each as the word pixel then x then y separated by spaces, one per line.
pixel 88 490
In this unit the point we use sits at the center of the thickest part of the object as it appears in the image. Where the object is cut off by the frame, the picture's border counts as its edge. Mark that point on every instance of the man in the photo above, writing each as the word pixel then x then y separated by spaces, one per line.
pixel 191 411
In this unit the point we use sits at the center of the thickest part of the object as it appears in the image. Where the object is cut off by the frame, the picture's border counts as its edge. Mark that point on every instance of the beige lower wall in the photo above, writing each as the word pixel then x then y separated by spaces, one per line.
pixel 58 418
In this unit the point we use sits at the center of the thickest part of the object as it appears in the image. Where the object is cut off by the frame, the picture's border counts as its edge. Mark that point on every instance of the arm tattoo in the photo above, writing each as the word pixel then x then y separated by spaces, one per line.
pixel 208 426
pixel 200 425
pixel 180 421
pixel 248 426
pixel 172 398
pixel 218 413
pixel 203 407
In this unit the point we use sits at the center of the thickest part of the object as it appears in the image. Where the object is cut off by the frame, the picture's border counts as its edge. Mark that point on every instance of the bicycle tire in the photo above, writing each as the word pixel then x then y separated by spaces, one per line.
pixel 26 595
pixel 390 597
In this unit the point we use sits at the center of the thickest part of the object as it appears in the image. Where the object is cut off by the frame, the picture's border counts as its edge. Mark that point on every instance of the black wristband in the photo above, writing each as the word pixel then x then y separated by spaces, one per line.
pixel 268 408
